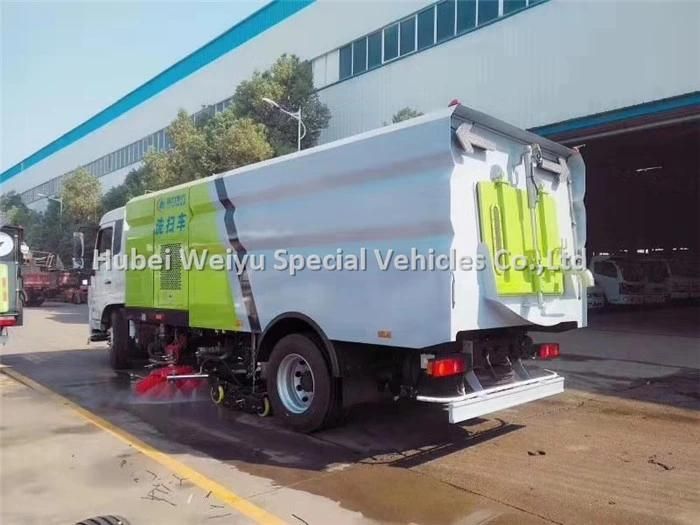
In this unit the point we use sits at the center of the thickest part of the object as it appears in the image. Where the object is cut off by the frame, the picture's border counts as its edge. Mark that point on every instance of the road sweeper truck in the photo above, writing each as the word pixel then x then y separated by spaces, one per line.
pixel 413 260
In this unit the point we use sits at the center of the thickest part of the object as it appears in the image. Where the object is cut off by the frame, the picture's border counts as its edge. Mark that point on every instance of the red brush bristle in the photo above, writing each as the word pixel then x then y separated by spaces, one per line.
pixel 157 387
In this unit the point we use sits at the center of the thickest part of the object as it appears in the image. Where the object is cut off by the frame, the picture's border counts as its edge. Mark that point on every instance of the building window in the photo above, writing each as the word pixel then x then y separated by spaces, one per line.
pixel 359 56
pixel 437 23
pixel 466 15
pixel 488 10
pixel 374 49
pixel 345 61
pixel 408 36
pixel 391 42
pixel 513 5
pixel 426 28
pixel 445 20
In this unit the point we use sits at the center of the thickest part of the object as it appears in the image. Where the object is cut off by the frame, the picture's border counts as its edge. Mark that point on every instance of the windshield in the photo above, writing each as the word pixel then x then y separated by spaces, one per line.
pixel 631 271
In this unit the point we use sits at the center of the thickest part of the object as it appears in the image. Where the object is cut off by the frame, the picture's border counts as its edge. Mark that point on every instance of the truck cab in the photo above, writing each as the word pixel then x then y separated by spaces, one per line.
pixel 621 279
pixel 106 288
pixel 685 278
pixel 657 281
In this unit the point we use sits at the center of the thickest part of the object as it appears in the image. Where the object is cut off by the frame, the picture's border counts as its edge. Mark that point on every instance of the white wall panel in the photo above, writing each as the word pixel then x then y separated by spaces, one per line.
pixel 557 61
pixel 560 60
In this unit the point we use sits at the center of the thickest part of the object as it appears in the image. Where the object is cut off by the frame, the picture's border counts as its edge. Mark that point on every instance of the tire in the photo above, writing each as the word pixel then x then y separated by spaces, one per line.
pixel 119 348
pixel 104 520
pixel 299 355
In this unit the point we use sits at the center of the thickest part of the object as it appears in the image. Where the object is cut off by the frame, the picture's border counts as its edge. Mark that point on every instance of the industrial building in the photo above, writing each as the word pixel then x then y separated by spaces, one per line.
pixel 620 80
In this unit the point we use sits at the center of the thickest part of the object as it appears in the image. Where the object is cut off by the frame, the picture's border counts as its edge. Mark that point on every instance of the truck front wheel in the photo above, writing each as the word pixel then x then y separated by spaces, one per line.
pixel 119 351
pixel 299 383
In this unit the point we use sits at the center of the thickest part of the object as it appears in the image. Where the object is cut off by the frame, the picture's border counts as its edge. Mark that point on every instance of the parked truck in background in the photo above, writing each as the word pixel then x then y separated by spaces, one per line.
pixel 457 183
pixel 46 278
pixel 621 278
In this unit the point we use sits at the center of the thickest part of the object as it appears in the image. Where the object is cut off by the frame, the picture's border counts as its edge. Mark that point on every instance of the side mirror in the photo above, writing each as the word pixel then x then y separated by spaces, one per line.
pixel 78 250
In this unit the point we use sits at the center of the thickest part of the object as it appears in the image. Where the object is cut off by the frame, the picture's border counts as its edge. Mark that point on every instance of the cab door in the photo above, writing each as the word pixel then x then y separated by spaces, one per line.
pixel 102 285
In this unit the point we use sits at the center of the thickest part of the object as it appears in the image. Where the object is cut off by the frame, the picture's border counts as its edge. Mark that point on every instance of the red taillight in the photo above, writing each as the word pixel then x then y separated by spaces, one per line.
pixel 8 321
pixel 445 367
pixel 548 350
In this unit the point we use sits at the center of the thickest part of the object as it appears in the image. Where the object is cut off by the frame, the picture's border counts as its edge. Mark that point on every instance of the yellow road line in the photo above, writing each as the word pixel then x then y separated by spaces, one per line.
pixel 235 501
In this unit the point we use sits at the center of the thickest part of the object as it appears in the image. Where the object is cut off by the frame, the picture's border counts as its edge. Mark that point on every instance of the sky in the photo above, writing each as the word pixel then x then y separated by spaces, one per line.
pixel 62 62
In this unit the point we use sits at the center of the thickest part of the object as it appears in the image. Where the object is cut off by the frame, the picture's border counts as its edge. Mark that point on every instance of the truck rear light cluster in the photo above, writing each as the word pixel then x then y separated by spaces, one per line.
pixel 446 366
pixel 8 321
pixel 548 350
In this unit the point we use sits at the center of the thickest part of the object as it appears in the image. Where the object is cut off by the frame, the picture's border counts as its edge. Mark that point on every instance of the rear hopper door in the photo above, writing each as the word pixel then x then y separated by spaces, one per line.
pixel 520 227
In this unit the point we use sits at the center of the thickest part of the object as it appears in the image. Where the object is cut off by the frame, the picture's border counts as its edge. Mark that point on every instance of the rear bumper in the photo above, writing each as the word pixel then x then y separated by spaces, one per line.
pixel 482 402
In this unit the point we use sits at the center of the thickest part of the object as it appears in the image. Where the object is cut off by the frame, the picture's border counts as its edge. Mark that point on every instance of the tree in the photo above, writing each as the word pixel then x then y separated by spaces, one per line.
pixel 187 160
pixel 289 82
pixel 236 142
pixel 248 131
pixel 405 114
pixel 115 197
pixel 16 212
pixel 82 197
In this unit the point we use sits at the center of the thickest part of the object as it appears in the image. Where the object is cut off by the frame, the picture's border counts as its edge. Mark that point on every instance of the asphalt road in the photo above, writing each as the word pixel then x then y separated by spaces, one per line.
pixel 619 446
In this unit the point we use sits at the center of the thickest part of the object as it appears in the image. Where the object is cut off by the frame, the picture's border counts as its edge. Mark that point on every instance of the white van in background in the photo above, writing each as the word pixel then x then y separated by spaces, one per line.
pixel 685 278
pixel 621 279
pixel 657 281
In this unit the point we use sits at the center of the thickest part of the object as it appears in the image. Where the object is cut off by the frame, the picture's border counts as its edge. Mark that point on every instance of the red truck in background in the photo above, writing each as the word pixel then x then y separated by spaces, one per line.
pixel 46 278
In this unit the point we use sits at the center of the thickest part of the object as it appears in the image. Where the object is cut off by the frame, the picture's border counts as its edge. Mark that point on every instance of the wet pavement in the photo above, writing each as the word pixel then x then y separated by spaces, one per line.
pixel 620 446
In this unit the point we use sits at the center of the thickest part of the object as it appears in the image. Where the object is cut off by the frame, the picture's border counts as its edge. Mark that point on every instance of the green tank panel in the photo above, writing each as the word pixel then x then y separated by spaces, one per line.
pixel 211 302
pixel 139 241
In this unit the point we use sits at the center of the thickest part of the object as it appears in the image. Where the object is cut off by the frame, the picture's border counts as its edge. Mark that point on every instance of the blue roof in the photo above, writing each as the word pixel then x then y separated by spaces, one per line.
pixel 678 103
pixel 258 22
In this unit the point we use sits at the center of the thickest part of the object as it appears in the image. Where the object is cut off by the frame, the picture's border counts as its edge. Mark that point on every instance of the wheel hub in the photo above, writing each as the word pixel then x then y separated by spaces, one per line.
pixel 295 383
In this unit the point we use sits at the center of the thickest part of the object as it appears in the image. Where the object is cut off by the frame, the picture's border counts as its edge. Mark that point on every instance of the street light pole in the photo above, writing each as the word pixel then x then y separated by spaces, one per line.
pixel 301 133
pixel 299 129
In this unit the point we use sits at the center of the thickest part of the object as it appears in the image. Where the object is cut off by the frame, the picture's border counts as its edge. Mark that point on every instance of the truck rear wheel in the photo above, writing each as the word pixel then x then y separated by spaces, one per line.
pixel 119 348
pixel 299 384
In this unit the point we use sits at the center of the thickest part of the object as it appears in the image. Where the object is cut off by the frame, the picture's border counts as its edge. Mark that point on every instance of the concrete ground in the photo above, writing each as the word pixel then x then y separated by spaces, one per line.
pixel 619 446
